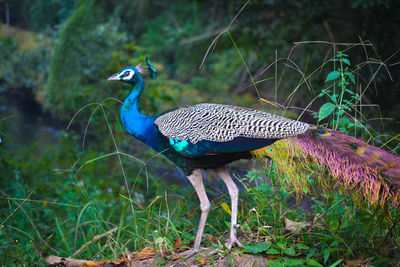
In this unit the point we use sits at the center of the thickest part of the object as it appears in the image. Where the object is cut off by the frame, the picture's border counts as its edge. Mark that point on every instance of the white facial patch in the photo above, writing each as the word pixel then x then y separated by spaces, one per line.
pixel 127 75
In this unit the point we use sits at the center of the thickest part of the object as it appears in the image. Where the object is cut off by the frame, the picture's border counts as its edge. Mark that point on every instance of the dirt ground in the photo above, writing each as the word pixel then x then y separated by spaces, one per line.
pixel 242 260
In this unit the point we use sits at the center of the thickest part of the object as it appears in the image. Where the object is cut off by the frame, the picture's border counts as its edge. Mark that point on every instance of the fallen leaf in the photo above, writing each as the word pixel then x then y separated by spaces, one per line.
pixel 59 261
pixel 178 243
pixel 116 264
pixel 295 227
pixel 107 263
pixel 271 256
pixel 144 254
pixel 175 258
pixel 201 260
pixel 355 262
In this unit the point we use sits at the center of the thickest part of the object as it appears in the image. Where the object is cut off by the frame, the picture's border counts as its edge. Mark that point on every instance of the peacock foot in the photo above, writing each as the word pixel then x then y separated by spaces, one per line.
pixel 233 241
pixel 189 253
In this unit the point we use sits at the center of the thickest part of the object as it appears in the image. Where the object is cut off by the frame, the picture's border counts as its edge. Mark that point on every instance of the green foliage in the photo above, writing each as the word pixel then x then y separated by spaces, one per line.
pixel 338 229
pixel 325 110
pixel 83 50
pixel 257 248
pixel 43 14
pixel 178 36
pixel 37 14
pixel 22 71
pixel 71 206
pixel 55 200
pixel 344 100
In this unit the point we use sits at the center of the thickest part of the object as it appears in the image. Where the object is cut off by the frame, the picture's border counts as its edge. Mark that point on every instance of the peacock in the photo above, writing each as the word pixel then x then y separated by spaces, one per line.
pixel 210 136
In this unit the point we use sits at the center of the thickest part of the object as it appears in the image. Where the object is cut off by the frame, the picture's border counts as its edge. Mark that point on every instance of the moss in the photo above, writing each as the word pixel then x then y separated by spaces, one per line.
pixel 26 40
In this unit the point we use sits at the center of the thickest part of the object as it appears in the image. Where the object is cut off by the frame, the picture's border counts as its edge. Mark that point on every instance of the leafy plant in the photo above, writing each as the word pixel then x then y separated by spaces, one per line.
pixel 343 100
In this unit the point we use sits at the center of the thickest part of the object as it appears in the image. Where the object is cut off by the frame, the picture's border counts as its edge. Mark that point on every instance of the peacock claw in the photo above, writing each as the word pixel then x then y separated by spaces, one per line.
pixel 189 253
pixel 233 241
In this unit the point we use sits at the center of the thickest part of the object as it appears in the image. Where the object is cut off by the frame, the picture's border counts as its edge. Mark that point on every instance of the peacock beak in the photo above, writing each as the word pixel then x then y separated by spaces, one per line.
pixel 115 76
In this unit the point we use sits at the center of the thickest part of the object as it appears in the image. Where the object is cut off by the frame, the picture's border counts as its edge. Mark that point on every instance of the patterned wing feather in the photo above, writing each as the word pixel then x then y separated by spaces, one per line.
pixel 222 123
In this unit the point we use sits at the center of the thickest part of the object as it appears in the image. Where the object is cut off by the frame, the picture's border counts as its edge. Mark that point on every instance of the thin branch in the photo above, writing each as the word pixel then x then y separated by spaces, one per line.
pixel 331 43
pixel 219 35
pixel 203 36
pixel 97 237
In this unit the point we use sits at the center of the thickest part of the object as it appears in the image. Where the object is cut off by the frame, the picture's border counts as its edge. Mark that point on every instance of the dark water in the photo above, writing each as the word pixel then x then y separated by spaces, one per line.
pixel 22 123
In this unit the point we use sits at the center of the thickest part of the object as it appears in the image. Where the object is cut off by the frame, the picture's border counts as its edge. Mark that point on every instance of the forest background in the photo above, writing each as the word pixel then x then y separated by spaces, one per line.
pixel 60 188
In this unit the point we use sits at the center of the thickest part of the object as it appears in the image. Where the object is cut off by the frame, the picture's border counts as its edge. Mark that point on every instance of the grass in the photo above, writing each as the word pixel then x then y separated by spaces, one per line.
pixel 340 229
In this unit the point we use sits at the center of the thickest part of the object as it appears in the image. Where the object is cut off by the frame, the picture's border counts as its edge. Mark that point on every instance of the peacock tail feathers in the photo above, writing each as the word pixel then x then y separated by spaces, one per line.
pixel 319 153
pixel 291 165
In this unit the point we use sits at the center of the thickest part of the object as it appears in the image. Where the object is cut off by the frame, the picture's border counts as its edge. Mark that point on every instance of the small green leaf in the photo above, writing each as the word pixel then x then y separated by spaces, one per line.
pixel 257 248
pixel 351 76
pixel 289 251
pixel 281 246
pixel 327 253
pixel 334 224
pixel 324 92
pixel 346 107
pixel 325 110
pixel 336 263
pixel 302 246
pixel 346 61
pixel 274 263
pixel 332 76
pixel 310 253
pixel 294 262
pixel 313 263
pixel 340 54
pixel 228 224
pixel 272 251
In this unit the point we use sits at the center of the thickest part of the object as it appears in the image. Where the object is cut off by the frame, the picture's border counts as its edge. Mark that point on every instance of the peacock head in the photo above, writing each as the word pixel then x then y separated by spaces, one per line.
pixel 128 74
pixel 132 75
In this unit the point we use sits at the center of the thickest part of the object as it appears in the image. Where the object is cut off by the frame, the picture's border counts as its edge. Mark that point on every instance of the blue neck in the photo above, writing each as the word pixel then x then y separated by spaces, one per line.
pixel 137 124
pixel 131 102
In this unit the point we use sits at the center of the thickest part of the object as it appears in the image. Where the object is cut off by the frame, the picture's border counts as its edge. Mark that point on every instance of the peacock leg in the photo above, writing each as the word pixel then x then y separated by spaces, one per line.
pixel 196 180
pixel 234 194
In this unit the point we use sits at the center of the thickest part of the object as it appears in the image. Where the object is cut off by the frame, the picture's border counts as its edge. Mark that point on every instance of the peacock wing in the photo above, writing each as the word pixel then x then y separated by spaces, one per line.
pixel 224 123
